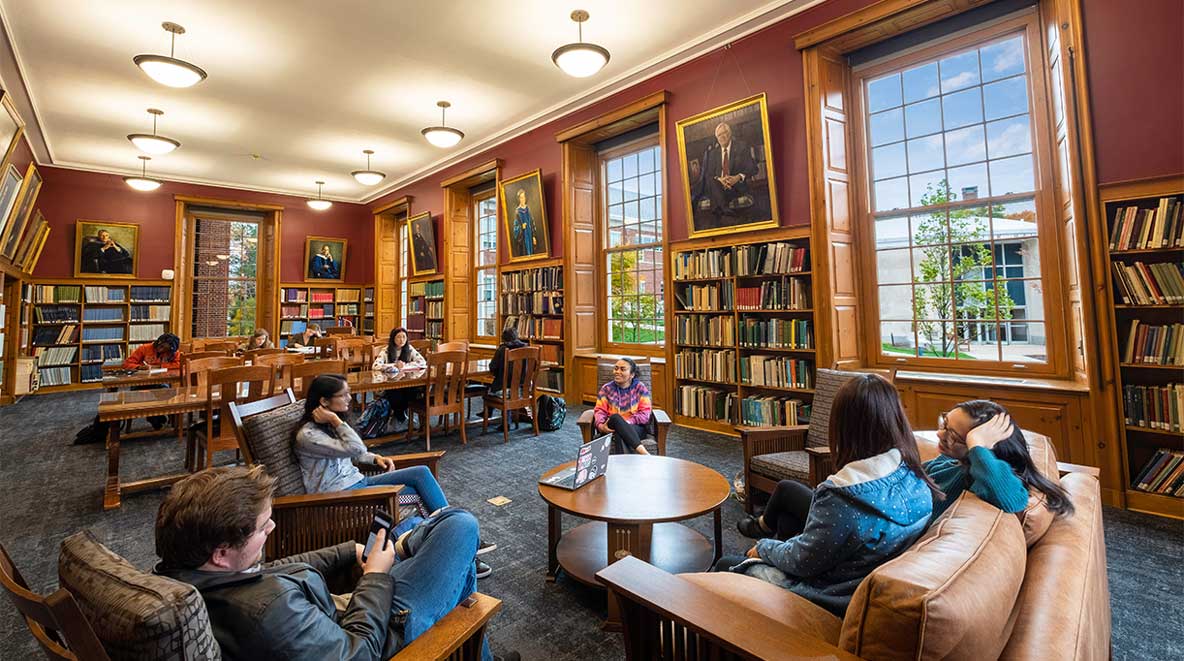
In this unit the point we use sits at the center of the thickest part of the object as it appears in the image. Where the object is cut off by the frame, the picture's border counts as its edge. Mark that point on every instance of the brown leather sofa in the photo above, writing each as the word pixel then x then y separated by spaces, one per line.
pixel 979 584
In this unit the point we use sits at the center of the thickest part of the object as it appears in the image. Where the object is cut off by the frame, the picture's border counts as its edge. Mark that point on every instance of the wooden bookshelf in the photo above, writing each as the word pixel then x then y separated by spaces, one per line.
pixel 73 326
pixel 327 306
pixel 368 310
pixel 531 298
pixel 425 309
pixel 743 333
pixel 1144 222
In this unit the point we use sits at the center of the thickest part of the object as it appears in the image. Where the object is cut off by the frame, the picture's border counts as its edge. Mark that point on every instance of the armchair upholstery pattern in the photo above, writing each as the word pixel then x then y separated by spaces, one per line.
pixel 659 426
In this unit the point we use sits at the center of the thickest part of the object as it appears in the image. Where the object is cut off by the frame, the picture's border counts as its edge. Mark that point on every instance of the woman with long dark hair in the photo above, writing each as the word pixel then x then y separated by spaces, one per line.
pixel 396 355
pixel 623 408
pixel 874 507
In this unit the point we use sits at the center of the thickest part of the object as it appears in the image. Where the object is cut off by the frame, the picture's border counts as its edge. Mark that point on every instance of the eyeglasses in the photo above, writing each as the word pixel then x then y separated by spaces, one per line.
pixel 943 424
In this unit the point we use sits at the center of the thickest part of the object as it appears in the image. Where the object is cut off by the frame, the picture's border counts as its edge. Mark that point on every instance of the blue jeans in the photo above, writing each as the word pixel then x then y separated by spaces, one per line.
pixel 438 576
pixel 417 479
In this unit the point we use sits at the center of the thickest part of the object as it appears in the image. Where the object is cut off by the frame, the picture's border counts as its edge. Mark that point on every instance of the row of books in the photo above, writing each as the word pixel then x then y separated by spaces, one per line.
pixel 320 296
pixel 435 309
pixel 1154 407
pixel 295 296
pixel 694 264
pixel 706 403
pixel 535 328
pixel 55 376
pixel 1149 284
pixel 150 312
pixel 771 259
pixel 145 332
pixel 707 365
pixel 705 330
pixel 705 298
pixel 1154 345
pixel 551 353
pixel 1163 474
pixel 785 294
pixel 772 411
pixel 150 294
pixel 55 314
pixel 349 295
pixel 777 333
pixel 777 371
pixel 50 356
pixel 415 305
pixel 288 326
pixel 434 289
pixel 54 293
pixel 44 335
pixel 103 333
pixel 102 314
pixel 347 309
pixel 434 330
pixel 90 373
pixel 322 311
pixel 100 294
pixel 1142 229
pixel 539 302
pixel 297 311
pixel 100 352
pixel 547 278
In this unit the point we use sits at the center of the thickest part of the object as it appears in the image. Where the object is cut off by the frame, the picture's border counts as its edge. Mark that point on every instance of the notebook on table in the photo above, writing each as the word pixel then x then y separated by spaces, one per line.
pixel 591 463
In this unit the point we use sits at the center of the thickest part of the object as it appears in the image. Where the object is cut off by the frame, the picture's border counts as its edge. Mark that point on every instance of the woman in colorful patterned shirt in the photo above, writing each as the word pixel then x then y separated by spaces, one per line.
pixel 623 408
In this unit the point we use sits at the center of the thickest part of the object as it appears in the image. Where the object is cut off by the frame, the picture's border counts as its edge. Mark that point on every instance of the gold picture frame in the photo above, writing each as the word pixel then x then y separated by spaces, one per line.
pixel 322 267
pixel 19 217
pixel 99 256
pixel 421 244
pixel 736 194
pixel 529 208
pixel 11 183
pixel 11 126
pixel 30 250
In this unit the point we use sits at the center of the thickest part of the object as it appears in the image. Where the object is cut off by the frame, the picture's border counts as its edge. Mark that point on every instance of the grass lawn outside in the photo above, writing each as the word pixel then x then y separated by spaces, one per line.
pixel 925 353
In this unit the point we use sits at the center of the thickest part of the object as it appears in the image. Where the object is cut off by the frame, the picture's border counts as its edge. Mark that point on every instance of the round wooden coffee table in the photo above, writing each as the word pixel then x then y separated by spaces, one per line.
pixel 634 509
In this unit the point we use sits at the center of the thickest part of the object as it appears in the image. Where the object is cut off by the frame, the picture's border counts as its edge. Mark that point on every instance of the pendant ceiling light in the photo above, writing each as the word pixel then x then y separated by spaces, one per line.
pixel 580 60
pixel 153 144
pixel 169 70
pixel 319 203
pixel 442 135
pixel 143 182
pixel 368 177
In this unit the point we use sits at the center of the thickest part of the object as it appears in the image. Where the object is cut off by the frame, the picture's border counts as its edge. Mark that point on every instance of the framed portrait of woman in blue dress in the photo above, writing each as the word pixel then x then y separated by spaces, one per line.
pixel 324 258
pixel 525 215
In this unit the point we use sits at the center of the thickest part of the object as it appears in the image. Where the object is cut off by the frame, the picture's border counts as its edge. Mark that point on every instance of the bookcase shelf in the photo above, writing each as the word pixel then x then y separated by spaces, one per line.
pixel 328 306
pixel 425 311
pixel 532 300
pixel 1145 287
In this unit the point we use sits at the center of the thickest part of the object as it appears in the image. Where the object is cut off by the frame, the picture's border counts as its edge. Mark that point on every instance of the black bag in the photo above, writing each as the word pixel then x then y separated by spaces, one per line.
pixel 95 432
pixel 552 412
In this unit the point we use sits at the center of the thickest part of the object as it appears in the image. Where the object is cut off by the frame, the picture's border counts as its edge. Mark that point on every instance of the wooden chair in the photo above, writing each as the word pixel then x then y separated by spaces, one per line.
pixel 216 344
pixel 325 348
pixel 56 622
pixel 794 452
pixel 454 345
pixel 354 351
pixel 444 392
pixel 521 367
pixel 659 425
pixel 251 354
pixel 303 373
pixel 185 347
pixel 226 385
pixel 194 372
pixel 282 363
pixel 340 330
pixel 424 347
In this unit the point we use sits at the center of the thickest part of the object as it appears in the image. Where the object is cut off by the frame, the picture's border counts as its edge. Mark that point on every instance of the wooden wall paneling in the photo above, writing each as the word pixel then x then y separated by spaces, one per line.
pixel 660 378
pixel 267 294
pixel 387 221
pixel 586 385
pixel 457 263
pixel 579 228
pixel 182 265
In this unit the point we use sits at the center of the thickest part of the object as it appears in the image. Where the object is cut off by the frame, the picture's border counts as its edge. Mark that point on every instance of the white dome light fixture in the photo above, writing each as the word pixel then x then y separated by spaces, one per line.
pixel 580 60
pixel 319 204
pixel 368 177
pixel 153 144
pixel 143 182
pixel 442 136
pixel 169 70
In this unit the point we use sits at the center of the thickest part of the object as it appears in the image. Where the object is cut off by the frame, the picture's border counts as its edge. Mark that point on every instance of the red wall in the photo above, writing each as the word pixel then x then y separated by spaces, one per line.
pixel 1135 56
pixel 70 195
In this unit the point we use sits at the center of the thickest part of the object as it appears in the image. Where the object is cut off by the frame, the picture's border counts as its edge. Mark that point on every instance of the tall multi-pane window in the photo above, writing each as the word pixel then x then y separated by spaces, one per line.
pixel 224 277
pixel 954 204
pixel 632 185
pixel 404 270
pixel 485 264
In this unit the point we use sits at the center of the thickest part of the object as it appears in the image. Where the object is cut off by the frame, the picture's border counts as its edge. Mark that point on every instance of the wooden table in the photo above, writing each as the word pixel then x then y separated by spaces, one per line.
pixel 377 381
pixel 634 508
pixel 114 379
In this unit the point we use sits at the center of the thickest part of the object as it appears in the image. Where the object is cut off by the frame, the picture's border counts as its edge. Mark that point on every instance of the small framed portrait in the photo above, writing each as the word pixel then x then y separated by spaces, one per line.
pixel 324 258
pixel 421 232
pixel 525 215
pixel 29 243
pixel 727 168
pixel 105 250
pixel 19 217
pixel 11 126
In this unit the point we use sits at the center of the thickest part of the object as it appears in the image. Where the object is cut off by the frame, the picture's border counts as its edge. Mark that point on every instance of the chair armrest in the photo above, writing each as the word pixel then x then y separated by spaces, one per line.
pixel 822 464
pixel 429 459
pixel 660 416
pixel 463 625
pixel 586 417
pixel 1064 468
pixel 767 440
pixel 638 585
pixel 820 452
pixel 313 521
pixel 336 497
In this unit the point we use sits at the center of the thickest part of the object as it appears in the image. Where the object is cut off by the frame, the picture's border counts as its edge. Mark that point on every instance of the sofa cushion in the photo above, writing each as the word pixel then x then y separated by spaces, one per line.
pixel 136 615
pixel 951 595
pixel 773 602
pixel 270 436
pixel 792 465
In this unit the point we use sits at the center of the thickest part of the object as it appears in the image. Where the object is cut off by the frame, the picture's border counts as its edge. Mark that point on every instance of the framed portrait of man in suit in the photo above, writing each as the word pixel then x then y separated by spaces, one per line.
pixel 421 232
pixel 105 249
pixel 324 259
pixel 525 215
pixel 727 168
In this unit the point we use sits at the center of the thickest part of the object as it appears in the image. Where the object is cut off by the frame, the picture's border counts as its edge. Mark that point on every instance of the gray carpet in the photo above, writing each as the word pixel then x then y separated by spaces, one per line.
pixel 53 489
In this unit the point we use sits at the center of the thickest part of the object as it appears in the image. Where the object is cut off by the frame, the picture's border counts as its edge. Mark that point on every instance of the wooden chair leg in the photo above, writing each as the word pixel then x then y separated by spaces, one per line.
pixel 426 422
pixel 506 424
pixel 534 418
pixel 484 417
pixel 464 439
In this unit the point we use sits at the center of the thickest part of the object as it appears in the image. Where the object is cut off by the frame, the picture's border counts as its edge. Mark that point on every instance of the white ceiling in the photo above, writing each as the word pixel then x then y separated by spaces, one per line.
pixel 309 84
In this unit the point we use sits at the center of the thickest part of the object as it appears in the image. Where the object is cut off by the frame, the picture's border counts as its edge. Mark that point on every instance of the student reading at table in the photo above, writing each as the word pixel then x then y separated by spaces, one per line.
pixel 164 352
pixel 260 339
pixel 398 354
pixel 304 339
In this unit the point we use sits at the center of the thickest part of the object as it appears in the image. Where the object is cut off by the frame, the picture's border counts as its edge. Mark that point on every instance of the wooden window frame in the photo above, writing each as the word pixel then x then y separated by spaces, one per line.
pixel 477 199
pixel 402 277
pixel 257 280
pixel 1040 109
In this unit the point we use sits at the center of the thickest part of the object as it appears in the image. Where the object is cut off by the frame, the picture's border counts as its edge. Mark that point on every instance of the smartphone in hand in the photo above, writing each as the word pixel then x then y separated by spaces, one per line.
pixel 382 521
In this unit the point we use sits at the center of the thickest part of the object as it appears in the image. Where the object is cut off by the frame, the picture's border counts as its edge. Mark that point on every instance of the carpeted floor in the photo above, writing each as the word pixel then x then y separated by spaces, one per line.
pixel 53 488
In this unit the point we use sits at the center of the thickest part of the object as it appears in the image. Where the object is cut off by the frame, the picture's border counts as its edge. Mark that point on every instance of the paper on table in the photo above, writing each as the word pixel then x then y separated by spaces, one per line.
pixel 157 370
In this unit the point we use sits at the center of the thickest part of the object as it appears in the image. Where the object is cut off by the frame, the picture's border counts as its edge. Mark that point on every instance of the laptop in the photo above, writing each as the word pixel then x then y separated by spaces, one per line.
pixel 591 462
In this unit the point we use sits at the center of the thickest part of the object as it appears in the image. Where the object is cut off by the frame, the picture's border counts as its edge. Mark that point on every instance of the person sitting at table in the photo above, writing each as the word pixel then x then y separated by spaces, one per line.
pixel 163 352
pixel 211 530
pixel 326 447
pixel 623 409
pixel 305 338
pixel 396 355
pixel 510 340
pixel 260 339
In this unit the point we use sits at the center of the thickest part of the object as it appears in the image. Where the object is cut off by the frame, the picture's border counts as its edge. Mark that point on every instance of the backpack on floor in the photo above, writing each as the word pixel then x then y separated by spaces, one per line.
pixel 552 412
pixel 372 424
pixel 95 432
